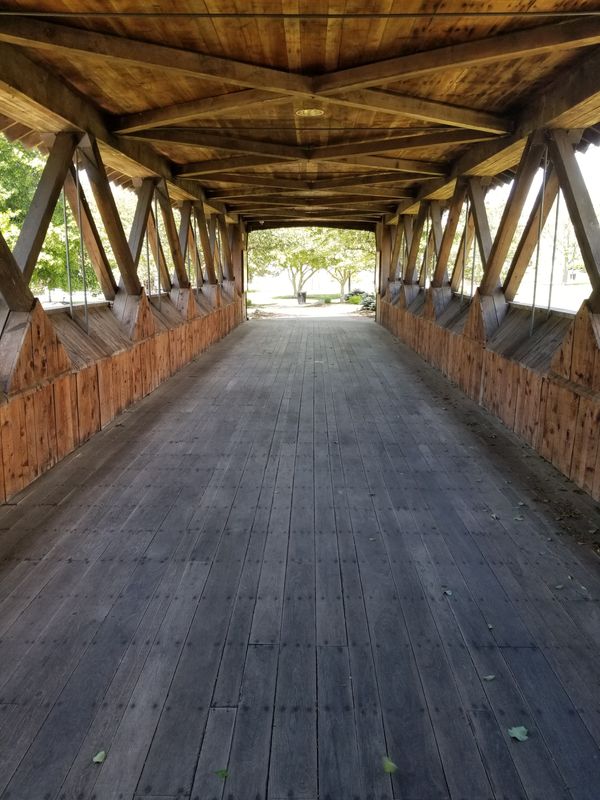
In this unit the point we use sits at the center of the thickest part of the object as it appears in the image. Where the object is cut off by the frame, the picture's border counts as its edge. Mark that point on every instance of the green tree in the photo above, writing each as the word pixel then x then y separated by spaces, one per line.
pixel 20 172
pixel 302 252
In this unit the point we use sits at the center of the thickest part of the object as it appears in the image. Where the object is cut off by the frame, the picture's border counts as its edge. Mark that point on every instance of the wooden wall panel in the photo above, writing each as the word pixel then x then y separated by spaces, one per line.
pixel 44 423
pixel 556 411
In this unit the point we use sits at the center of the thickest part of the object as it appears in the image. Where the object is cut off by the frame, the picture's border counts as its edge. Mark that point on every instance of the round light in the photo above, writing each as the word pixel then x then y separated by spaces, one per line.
pixel 310 112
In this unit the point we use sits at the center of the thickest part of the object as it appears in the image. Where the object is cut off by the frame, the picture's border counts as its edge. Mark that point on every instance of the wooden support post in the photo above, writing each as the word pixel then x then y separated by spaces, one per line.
pixel 581 209
pixel 529 165
pixel 158 253
pixel 436 225
pixel 440 275
pixel 140 221
pixel 396 250
pixel 410 273
pixel 196 262
pixel 184 227
pixel 482 226
pixel 465 244
pixel 35 226
pixel 225 248
pixel 428 257
pixel 105 201
pixel 214 246
pixel 529 238
pixel 91 237
pixel 205 243
pixel 13 288
pixel 180 278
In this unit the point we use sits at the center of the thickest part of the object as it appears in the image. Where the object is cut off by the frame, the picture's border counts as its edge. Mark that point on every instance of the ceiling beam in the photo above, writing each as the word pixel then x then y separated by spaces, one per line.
pixel 260 180
pixel 516 44
pixel 359 180
pixel 194 109
pixel 407 142
pixel 425 110
pixel 192 137
pixel 25 81
pixel 195 168
pixel 56 38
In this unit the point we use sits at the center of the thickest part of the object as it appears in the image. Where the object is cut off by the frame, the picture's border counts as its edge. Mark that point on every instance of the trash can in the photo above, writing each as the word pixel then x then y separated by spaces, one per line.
pixel 301 298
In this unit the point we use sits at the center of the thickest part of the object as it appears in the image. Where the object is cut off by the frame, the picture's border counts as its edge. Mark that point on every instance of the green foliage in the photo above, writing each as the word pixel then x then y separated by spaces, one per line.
pixel 302 252
pixel 355 300
pixel 20 172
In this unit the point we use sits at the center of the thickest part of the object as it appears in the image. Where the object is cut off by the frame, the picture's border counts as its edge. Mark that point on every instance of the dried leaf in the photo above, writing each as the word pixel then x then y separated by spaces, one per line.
pixel 490 627
pixel 559 586
pixel 100 757
pixel 448 592
pixel 222 773
pixel 489 677
pixel 520 733
pixel 494 516
pixel 518 519
pixel 388 765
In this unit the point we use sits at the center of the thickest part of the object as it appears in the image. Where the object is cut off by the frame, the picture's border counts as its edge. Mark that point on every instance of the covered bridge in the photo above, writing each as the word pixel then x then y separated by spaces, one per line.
pixel 300 559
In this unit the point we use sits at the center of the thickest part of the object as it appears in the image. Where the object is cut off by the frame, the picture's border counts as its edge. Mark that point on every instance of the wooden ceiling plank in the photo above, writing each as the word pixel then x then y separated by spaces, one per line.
pixel 35 225
pixel 426 110
pixel 54 37
pixel 212 107
pixel 516 44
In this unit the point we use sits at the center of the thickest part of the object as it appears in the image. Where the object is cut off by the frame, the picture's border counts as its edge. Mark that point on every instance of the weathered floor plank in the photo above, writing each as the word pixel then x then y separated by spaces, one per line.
pixel 303 554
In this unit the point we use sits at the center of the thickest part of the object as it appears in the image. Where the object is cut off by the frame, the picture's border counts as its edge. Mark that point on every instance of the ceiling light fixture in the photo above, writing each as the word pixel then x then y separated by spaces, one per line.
pixel 310 112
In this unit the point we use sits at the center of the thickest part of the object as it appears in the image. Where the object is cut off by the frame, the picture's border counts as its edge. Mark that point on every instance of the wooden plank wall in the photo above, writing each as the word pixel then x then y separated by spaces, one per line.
pixel 49 419
pixel 554 408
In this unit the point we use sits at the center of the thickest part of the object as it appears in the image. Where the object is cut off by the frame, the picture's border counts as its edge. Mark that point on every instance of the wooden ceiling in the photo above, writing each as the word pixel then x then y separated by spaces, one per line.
pixel 405 94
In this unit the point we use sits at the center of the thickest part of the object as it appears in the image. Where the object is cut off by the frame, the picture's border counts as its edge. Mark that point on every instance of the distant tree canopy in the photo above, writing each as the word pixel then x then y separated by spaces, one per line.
pixel 302 252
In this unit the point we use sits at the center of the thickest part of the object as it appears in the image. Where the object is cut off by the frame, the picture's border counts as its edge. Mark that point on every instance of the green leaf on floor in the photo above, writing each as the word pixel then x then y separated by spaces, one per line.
pixel 222 773
pixel 489 677
pixel 520 733
pixel 100 757
pixel 389 766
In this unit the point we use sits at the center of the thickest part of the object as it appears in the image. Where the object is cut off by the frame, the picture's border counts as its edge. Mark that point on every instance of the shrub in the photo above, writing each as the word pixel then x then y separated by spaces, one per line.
pixel 354 300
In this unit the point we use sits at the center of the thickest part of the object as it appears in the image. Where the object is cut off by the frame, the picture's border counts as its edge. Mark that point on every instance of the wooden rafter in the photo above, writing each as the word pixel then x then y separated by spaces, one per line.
pixel 506 46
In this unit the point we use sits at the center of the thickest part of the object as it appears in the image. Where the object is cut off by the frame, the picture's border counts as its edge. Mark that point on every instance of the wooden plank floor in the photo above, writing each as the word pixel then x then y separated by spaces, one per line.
pixel 303 553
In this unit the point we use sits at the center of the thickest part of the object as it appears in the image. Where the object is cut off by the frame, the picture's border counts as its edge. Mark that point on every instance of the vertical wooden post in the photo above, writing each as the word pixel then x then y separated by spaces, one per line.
pixel 205 243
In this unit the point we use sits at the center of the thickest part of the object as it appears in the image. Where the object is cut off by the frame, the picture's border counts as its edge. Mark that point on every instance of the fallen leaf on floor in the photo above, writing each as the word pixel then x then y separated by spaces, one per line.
pixel 448 592
pixel 494 516
pixel 100 757
pixel 559 586
pixel 490 627
pixel 489 677
pixel 389 766
pixel 518 519
pixel 222 773
pixel 521 503
pixel 520 733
